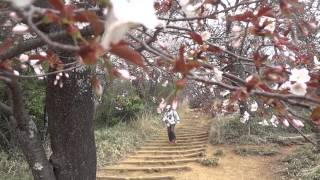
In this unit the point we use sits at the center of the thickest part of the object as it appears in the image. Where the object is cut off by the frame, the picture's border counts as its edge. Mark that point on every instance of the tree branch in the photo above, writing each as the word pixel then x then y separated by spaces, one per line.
pixel 6 109
pixel 28 45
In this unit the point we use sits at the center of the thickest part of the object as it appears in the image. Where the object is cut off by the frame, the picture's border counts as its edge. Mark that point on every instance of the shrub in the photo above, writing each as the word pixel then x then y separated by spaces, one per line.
pixel 115 109
pixel 115 142
pixel 127 107
pixel 210 162
pixel 257 151
pixel 302 164
pixel 218 152
pixel 229 130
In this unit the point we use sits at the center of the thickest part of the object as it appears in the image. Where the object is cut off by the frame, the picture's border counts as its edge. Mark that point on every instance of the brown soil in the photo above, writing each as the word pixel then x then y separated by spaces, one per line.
pixel 234 167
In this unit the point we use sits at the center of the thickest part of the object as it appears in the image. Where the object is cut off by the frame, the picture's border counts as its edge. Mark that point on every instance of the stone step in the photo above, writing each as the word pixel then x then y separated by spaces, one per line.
pixel 185 140
pixel 166 157
pixel 188 128
pixel 178 140
pixel 136 178
pixel 160 162
pixel 181 131
pixel 154 169
pixel 170 152
pixel 182 137
pixel 184 134
pixel 170 147
pixel 178 143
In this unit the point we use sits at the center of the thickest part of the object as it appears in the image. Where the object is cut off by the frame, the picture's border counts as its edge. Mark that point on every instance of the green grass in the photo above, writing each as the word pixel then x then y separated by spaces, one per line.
pixel 229 130
pixel 257 151
pixel 302 164
pixel 115 142
pixel 14 168
pixel 112 144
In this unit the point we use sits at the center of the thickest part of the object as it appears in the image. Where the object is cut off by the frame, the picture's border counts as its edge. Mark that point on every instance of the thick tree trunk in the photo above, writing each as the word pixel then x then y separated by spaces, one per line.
pixel 71 129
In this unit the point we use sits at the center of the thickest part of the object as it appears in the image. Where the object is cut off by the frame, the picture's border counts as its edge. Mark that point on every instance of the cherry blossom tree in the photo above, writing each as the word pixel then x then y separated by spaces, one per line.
pixel 265 52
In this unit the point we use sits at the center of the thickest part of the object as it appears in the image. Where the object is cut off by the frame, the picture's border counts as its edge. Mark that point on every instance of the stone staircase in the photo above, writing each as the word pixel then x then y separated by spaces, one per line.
pixel 159 160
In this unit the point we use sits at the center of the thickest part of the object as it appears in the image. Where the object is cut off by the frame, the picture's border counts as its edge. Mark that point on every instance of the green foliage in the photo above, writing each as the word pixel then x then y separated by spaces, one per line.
pixel 257 151
pixel 115 142
pixel 112 144
pixel 210 162
pixel 303 164
pixel 229 130
pixel 127 107
pixel 34 91
pixel 115 109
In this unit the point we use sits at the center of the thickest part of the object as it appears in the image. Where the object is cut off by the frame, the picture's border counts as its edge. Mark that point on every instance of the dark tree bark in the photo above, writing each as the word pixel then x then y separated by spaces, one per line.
pixel 71 129
pixel 27 134
pixel 70 119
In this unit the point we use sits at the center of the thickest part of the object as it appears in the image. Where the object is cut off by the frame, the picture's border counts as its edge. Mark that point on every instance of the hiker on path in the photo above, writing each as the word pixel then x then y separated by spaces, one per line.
pixel 171 118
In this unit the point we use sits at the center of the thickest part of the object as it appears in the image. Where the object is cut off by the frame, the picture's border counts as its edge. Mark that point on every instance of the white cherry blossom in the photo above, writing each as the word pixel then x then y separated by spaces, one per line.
pixel 298 88
pixel 20 28
pixel 136 11
pixel 272 23
pixel 21 3
pixel 299 75
pixel 285 85
pixel 165 84
pixel 184 2
pixel 190 9
pixel 274 121
pixel 264 123
pixel 124 73
pixel 316 63
pixel 15 72
pixel 125 15
pixel 205 35
pixel 217 74
pixel 254 106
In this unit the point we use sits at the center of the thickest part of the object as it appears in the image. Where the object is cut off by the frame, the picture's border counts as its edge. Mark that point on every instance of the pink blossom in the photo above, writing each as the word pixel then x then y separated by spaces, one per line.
pixel 162 105
pixel 285 123
pixel 23 58
pixel 297 123
pixel 175 103
pixel 20 28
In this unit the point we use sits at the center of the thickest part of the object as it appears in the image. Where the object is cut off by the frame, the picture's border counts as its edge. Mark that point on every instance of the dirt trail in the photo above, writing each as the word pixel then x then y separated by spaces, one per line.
pixel 159 160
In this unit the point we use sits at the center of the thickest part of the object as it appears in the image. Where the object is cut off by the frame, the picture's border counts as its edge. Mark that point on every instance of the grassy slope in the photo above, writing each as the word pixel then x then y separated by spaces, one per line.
pixel 300 164
pixel 112 144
